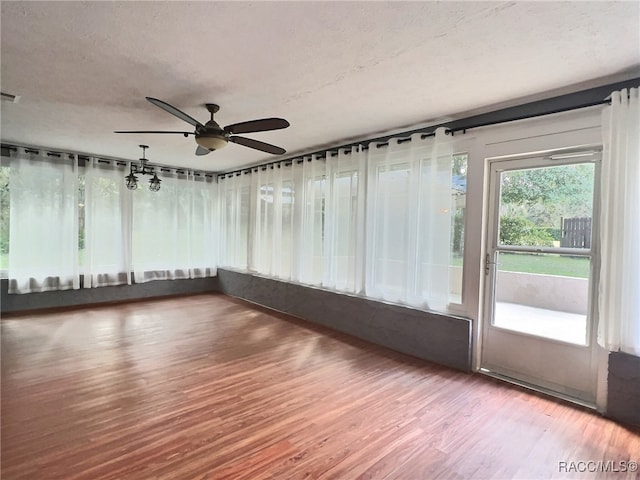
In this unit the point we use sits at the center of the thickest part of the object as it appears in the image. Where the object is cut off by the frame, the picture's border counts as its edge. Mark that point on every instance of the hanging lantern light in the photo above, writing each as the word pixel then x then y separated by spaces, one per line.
pixel 132 181
pixel 154 183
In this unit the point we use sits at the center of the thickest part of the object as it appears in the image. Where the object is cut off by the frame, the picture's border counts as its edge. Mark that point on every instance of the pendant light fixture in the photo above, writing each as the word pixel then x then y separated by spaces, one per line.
pixel 144 169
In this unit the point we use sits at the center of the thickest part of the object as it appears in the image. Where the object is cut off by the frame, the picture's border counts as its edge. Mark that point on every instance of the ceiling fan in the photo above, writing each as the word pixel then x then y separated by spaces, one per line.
pixel 211 136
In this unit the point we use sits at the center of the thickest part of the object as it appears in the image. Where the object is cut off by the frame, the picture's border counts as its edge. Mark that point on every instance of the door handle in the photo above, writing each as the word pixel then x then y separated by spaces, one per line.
pixel 488 263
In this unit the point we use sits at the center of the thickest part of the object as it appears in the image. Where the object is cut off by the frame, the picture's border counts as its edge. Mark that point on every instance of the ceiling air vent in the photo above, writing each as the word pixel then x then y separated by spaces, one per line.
pixel 7 97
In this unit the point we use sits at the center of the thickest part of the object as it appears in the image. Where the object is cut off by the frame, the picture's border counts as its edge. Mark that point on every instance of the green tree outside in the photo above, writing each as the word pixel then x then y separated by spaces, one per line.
pixel 533 202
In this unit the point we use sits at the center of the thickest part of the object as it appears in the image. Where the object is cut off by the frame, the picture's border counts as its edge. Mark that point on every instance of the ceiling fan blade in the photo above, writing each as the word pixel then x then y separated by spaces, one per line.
pixel 251 143
pixel 202 151
pixel 152 131
pixel 174 111
pixel 261 125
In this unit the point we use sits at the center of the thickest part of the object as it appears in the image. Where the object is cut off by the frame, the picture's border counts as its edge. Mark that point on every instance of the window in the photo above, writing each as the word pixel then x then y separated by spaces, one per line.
pixel 172 232
pixel 311 223
pixel 409 224
pixel 5 221
pixel 104 224
pixel 62 217
pixel 43 217
pixel 392 224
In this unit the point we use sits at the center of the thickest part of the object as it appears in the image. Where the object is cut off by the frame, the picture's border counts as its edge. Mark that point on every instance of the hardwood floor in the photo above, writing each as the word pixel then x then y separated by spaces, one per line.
pixel 206 387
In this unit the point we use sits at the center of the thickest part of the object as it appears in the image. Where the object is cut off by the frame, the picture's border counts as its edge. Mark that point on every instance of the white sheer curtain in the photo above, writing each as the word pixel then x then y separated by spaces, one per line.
pixel 263 189
pixel 107 233
pixel 274 195
pixel 235 204
pixel 619 292
pixel 43 238
pixel 308 220
pixel 204 227
pixel 173 229
pixel 409 221
pixel 373 222
pixel 344 221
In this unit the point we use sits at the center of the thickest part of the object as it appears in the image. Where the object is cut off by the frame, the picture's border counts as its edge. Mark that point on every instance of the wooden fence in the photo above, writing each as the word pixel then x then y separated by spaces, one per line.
pixel 576 232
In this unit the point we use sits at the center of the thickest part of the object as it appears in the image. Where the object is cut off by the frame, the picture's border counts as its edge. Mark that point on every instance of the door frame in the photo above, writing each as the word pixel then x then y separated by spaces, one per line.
pixel 540 159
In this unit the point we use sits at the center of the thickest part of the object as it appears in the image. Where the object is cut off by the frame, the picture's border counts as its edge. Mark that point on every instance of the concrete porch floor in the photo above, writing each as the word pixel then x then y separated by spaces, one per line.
pixel 567 327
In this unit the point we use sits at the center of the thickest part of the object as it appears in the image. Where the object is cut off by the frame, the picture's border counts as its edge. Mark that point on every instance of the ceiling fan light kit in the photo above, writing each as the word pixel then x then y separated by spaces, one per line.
pixel 210 136
pixel 213 142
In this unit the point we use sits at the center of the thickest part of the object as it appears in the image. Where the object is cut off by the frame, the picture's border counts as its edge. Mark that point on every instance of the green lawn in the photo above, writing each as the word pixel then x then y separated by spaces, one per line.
pixel 545 264
pixel 542 264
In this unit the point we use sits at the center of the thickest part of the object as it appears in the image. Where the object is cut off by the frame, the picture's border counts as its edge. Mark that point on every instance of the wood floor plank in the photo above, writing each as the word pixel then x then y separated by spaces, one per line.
pixel 210 387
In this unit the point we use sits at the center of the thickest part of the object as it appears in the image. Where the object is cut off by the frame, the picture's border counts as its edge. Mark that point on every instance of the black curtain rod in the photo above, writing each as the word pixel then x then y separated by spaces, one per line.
pixel 464 129
pixel 563 103
pixel 332 152
pixel 84 158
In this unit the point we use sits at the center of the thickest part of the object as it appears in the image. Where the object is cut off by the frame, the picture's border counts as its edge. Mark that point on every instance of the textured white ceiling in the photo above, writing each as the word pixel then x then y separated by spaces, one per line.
pixel 335 70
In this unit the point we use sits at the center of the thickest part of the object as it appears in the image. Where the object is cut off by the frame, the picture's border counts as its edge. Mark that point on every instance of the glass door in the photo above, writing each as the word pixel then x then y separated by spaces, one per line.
pixel 539 266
